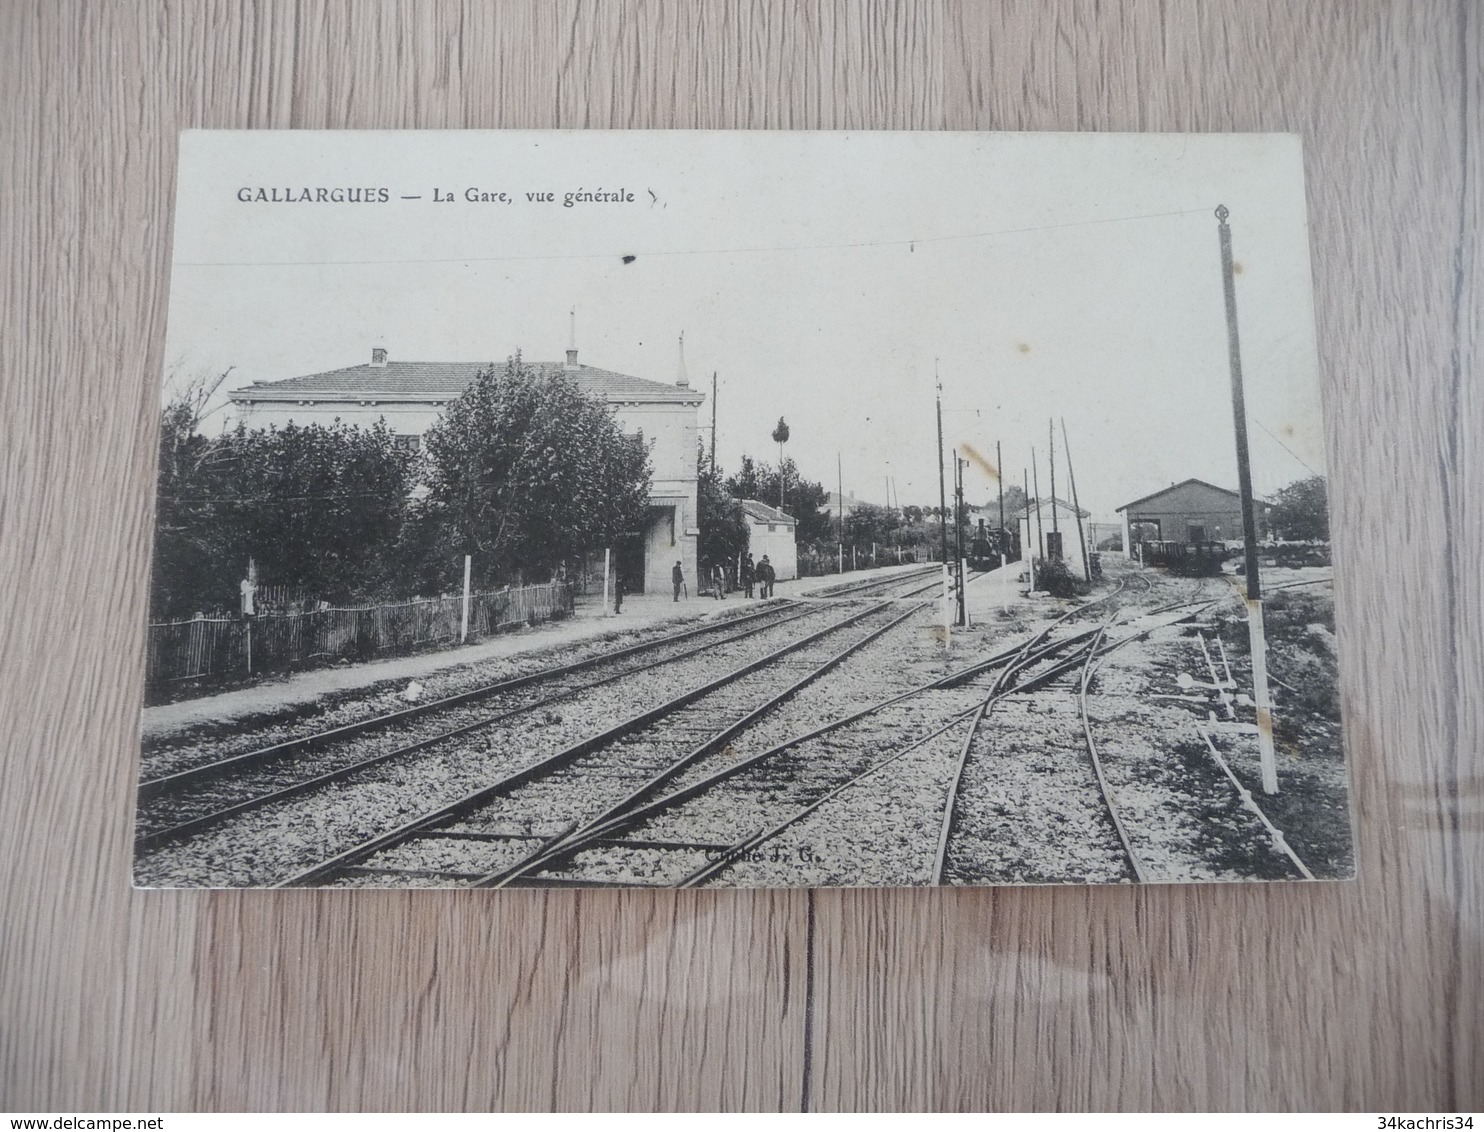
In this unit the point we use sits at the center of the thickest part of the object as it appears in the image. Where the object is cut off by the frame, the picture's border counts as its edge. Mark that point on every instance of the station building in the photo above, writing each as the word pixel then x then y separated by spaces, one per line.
pixel 410 397
pixel 1189 512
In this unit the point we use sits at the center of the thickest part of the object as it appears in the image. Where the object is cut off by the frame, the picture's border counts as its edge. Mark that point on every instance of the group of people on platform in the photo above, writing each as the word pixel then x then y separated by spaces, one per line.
pixel 759 576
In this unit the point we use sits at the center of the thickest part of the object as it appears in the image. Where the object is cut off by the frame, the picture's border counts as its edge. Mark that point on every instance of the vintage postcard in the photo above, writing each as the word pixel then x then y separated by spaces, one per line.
pixel 676 509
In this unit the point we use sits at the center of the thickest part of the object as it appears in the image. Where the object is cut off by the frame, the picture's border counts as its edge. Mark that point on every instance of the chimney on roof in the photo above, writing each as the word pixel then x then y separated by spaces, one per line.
pixel 680 378
pixel 572 340
pixel 378 356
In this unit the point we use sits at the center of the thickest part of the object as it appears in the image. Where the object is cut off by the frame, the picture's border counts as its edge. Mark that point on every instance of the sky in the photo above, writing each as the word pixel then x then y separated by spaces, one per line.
pixel 823 277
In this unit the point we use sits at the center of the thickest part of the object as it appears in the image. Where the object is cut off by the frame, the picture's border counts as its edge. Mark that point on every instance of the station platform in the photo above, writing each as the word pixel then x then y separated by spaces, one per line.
pixel 592 620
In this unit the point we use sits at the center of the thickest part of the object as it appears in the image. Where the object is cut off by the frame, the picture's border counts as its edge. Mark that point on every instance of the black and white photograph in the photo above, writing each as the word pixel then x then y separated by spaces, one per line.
pixel 740 509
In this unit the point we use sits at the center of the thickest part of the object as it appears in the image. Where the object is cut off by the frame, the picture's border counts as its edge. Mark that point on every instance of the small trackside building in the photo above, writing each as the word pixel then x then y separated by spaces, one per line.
pixel 774 533
pixel 1053 528
pixel 1189 512
pixel 410 397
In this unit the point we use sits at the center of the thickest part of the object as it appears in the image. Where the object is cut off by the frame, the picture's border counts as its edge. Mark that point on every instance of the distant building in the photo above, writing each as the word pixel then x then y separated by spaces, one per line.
pixel 832 506
pixel 1049 529
pixel 774 533
pixel 410 397
pixel 1189 512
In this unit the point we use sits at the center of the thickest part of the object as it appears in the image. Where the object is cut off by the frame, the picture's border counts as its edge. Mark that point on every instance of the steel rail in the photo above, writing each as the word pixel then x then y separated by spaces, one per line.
pixel 167 782
pixel 1007 674
pixel 748 844
pixel 555 761
pixel 602 830
pixel 1094 662
pixel 712 868
pixel 153 839
pixel 575 840
pixel 640 813
pixel 1274 833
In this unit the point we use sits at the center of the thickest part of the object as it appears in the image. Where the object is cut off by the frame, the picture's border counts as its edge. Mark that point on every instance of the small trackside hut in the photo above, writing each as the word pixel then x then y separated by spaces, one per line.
pixel 774 533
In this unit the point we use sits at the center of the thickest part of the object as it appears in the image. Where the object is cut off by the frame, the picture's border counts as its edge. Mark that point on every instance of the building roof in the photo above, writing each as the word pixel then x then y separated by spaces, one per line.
pixel 443 381
pixel 760 511
pixel 1030 508
pixel 1186 483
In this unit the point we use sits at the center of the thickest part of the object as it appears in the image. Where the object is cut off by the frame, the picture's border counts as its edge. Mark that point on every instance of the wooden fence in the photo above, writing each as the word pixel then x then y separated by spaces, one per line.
pixel 205 648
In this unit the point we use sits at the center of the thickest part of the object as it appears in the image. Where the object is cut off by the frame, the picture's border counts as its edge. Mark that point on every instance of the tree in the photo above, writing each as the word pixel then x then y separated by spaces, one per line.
pixel 319 509
pixel 719 516
pixel 780 436
pixel 1300 511
pixel 865 524
pixel 525 471
pixel 803 500
pixel 1014 504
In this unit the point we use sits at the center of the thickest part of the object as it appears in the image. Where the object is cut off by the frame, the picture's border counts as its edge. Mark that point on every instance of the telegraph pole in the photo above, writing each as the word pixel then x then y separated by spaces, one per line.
pixel 1076 507
pixel 1040 530
pixel 958 534
pixel 1255 628
pixel 840 491
pixel 999 468
pixel 1025 551
pixel 1051 429
pixel 999 476
pixel 942 509
pixel 713 426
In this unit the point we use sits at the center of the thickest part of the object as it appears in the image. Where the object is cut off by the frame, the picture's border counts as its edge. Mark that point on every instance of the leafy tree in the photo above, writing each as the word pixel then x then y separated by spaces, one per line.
pixel 316 508
pixel 746 484
pixel 524 471
pixel 1014 504
pixel 1300 511
pixel 804 498
pixel 719 516
pixel 184 570
pixel 780 437
pixel 866 524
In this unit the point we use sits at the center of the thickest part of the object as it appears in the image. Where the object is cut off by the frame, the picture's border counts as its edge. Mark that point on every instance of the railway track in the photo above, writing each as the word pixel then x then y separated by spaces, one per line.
pixel 531 809
pixel 197 798
pixel 743 804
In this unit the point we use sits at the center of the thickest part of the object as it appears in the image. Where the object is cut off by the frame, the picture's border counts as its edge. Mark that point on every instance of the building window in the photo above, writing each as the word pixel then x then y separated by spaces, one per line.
pixel 773 526
pixel 408 443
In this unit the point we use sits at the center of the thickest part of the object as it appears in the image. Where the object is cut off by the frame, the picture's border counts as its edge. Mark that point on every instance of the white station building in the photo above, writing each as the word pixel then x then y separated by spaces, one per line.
pixel 410 397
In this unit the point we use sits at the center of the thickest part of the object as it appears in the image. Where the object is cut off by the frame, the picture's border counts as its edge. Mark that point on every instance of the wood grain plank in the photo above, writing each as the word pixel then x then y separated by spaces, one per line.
pixel 1362 995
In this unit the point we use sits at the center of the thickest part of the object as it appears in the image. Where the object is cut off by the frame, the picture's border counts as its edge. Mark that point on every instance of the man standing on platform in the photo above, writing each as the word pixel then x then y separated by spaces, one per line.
pixel 677 576
pixel 765 577
pixel 747 574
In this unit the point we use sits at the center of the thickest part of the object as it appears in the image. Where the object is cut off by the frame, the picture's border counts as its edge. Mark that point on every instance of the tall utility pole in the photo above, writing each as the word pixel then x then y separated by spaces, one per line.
pixel 1076 507
pixel 1255 628
pixel 958 533
pixel 713 424
pixel 999 470
pixel 1025 551
pixel 840 491
pixel 942 507
pixel 999 475
pixel 1051 429
pixel 1040 530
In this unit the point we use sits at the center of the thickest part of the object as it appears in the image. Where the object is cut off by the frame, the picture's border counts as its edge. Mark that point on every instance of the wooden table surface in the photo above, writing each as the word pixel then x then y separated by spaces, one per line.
pixel 1368 995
